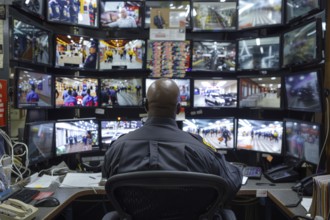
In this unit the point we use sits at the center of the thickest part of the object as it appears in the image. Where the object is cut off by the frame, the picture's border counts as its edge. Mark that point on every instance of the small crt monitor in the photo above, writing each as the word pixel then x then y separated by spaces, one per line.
pixel 33 89
pixel 299 9
pixel 260 92
pixel 302 140
pixel 219 132
pixel 40 141
pixel 303 91
pixel 76 136
pixel 214 56
pixel 184 86
pixel 215 93
pixel 111 130
pixel 260 135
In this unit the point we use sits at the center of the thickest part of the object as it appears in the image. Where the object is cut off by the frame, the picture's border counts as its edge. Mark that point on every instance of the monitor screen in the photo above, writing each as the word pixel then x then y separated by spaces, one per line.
pixel 120 14
pixel 258 13
pixel 76 52
pixel 168 58
pixel 111 130
pixel 184 86
pixel 34 89
pixel 121 92
pixel 301 45
pixel 214 56
pixel 168 7
pixel 259 53
pixel 121 54
pixel 219 132
pixel 214 16
pixel 30 43
pixel 74 12
pixel 260 135
pixel 76 136
pixel 76 92
pixel 303 140
pixel 298 9
pixel 40 141
pixel 217 93
pixel 260 92
pixel 34 7
pixel 303 91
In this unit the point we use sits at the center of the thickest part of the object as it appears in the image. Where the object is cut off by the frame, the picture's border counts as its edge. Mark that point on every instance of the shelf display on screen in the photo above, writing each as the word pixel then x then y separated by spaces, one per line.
pixel 40 141
pixel 167 7
pixel 33 89
pixel 111 130
pixel 30 43
pixel 301 45
pixel 260 92
pixel 76 136
pixel 260 135
pixel 73 12
pixel 302 140
pixel 76 92
pixel 214 56
pixel 299 9
pixel 76 52
pixel 259 53
pixel 168 58
pixel 214 16
pixel 117 92
pixel 121 54
pixel 219 132
pixel 215 93
pixel 259 13
pixel 120 14
pixel 303 91
pixel 184 86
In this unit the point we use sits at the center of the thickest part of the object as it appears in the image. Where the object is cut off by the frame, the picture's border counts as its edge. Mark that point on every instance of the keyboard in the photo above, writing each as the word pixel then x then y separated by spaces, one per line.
pixel 25 195
pixel 252 172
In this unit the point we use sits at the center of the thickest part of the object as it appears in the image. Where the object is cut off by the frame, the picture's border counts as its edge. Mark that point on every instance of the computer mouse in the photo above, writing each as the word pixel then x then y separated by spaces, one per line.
pixel 47 202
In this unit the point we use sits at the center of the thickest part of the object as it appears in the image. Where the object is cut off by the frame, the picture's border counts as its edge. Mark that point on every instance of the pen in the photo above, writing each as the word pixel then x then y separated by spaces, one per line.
pixel 92 177
pixel 270 184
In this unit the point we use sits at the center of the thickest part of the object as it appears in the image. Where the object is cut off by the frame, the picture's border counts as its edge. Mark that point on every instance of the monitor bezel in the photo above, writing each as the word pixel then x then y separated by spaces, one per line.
pixel 304 15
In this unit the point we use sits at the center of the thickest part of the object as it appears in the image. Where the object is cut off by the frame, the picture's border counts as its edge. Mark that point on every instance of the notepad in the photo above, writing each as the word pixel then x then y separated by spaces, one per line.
pixel 77 180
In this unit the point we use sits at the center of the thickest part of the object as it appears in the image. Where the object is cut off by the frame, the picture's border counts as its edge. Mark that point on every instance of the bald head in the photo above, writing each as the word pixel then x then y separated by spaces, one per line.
pixel 163 98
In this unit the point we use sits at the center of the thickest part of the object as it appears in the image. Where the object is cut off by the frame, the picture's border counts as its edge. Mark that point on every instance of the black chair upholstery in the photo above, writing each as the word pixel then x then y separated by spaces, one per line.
pixel 174 195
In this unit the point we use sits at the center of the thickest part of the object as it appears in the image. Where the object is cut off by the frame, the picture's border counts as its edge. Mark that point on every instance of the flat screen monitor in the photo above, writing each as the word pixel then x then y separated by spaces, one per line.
pixel 302 140
pixel 73 12
pixel 40 141
pixel 167 7
pixel 168 58
pixel 34 7
pixel 260 135
pixel 259 13
pixel 214 56
pixel 299 9
pixel 121 14
pixel 260 92
pixel 121 54
pixel 117 92
pixel 219 132
pixel 30 43
pixel 301 45
pixel 303 91
pixel 76 136
pixel 215 93
pixel 214 16
pixel 76 92
pixel 111 130
pixel 76 52
pixel 259 53
pixel 184 86
pixel 33 89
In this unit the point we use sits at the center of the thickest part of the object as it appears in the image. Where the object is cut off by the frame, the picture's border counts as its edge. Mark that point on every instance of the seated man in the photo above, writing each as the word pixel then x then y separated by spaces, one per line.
pixel 160 145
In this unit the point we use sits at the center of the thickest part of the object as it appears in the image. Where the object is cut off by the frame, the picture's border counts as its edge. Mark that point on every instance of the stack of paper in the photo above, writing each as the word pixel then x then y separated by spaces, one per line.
pixel 321 194
pixel 81 180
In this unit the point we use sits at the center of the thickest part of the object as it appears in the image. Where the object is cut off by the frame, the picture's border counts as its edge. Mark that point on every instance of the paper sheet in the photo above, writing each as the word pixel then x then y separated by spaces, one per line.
pixel 76 180
pixel 42 182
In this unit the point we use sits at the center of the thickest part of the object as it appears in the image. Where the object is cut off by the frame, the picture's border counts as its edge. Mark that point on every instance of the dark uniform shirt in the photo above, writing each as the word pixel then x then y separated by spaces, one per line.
pixel 91 61
pixel 160 145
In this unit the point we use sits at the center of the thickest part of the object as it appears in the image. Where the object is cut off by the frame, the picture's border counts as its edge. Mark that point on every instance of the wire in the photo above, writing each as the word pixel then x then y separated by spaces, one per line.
pixel 327 134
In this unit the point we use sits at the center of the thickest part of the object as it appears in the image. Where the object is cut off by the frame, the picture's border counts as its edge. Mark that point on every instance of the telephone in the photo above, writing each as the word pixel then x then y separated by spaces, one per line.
pixel 18 210
pixel 281 173
pixel 305 185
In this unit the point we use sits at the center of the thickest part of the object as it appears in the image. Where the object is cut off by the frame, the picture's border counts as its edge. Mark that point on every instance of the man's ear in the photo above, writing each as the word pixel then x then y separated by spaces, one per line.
pixel 146 107
pixel 178 108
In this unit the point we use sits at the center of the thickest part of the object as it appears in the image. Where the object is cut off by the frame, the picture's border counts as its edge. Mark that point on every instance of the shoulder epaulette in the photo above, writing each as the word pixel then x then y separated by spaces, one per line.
pixel 199 138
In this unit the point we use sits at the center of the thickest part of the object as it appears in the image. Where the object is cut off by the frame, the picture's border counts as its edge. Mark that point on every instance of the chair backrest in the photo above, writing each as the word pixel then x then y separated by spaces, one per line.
pixel 174 195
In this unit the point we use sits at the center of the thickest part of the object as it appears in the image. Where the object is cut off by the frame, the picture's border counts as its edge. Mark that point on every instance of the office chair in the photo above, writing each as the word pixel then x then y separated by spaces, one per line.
pixel 160 195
